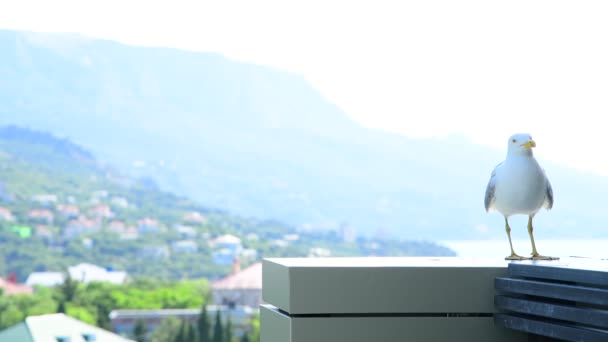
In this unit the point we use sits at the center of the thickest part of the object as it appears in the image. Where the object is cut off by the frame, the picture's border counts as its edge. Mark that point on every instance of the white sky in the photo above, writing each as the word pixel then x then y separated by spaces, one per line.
pixel 484 69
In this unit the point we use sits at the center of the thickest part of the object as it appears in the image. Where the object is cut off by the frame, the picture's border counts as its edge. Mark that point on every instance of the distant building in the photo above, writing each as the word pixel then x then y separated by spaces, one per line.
pixel 184 246
pixel 185 232
pixel 124 232
pixel 319 252
pixel 227 248
pixel 44 232
pixel 45 200
pixel 6 215
pixel 123 321
pixel 57 328
pixel 120 202
pixel 10 287
pixel 99 194
pixel 45 279
pixel 86 273
pixel 279 243
pixel 248 255
pixel 82 225
pixel 242 287
pixel 291 237
pixel 68 211
pixel 101 211
pixel 41 216
pixel 82 272
pixel 148 225
pixel 195 218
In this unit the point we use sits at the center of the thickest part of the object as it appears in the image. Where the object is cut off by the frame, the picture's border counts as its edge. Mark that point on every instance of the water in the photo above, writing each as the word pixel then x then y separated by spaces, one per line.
pixel 500 248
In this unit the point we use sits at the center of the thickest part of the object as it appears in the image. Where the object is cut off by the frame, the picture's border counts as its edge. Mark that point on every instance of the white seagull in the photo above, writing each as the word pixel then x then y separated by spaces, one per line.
pixel 519 186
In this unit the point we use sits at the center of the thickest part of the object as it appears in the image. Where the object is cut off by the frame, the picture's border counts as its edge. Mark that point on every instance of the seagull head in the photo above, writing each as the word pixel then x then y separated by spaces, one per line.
pixel 521 144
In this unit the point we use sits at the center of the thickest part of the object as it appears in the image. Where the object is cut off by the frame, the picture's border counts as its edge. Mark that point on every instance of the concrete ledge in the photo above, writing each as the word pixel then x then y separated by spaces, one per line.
pixel 381 299
pixel 381 285
pixel 279 327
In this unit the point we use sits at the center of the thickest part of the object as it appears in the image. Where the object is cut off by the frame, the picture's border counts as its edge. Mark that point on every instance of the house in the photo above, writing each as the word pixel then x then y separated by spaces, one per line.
pixel 68 211
pixel 86 273
pixel 57 328
pixel 82 272
pixel 120 202
pixel 248 255
pixel 44 232
pixel 41 216
pixel 82 225
pixel 6 215
pixel 45 279
pixel 45 200
pixel 101 211
pixel 185 232
pixel 123 321
pixel 291 237
pixel 98 195
pixel 227 241
pixel 10 287
pixel 242 287
pixel 148 225
pixel 194 217
pixel 125 232
pixel 184 246
pixel 318 252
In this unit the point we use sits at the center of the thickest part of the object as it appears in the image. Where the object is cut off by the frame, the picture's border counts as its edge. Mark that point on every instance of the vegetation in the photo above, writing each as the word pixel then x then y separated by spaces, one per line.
pixel 93 302
pixel 34 164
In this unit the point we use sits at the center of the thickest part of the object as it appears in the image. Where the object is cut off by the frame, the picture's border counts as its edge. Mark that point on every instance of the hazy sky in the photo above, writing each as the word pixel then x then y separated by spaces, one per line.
pixel 484 69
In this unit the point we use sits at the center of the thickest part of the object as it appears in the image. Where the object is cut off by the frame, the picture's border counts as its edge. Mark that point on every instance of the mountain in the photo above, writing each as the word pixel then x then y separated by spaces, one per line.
pixel 261 142
pixel 67 208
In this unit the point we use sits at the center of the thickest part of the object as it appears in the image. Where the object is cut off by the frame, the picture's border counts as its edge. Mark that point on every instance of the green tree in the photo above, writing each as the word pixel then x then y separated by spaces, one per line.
pixel 61 307
pixel 218 328
pixel 228 330
pixel 10 314
pixel 245 338
pixel 68 288
pixel 203 325
pixel 140 331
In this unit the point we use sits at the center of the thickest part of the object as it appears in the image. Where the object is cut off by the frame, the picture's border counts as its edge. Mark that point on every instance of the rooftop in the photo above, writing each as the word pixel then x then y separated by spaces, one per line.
pixel 47 328
pixel 249 278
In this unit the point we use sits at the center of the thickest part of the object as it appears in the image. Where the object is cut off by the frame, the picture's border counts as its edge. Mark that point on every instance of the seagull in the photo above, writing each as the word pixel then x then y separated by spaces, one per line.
pixel 519 185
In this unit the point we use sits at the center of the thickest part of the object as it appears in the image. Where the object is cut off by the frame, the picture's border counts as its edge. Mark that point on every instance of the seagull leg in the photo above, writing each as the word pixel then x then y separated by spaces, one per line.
pixel 535 255
pixel 513 256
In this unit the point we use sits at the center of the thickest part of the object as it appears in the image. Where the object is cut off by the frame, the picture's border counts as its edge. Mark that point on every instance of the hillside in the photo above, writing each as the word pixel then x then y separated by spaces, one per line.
pixel 260 142
pixel 59 206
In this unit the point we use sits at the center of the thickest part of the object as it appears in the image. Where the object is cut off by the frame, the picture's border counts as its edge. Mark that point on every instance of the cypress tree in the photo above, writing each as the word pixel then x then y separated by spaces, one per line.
pixel 218 329
pixel 203 325
pixel 181 333
pixel 140 331
pixel 191 336
pixel 228 330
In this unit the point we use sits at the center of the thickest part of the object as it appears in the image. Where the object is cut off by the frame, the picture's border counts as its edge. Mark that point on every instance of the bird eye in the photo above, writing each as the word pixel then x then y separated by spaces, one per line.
pixel 514 140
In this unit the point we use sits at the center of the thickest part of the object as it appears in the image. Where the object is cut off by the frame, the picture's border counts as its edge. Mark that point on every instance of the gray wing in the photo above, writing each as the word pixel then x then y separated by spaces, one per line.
pixel 490 189
pixel 548 195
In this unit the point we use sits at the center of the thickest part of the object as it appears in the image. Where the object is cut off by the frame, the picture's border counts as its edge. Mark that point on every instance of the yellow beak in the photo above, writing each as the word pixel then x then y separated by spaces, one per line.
pixel 529 144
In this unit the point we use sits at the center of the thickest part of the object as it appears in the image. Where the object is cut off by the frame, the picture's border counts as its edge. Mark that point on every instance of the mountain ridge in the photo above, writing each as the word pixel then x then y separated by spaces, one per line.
pixel 260 142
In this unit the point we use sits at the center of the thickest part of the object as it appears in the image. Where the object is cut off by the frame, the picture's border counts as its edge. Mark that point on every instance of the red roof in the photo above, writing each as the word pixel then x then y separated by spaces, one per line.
pixel 14 289
pixel 249 278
